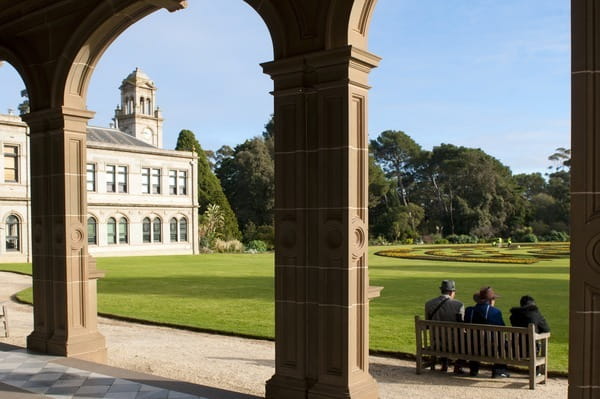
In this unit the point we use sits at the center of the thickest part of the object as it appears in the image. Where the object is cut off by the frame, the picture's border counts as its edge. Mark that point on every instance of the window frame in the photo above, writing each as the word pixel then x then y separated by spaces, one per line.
pixel 147 235
pixel 155 188
pixel 156 234
pixel 87 176
pixel 111 178
pixel 16 238
pixel 183 223
pixel 111 222
pixel 122 174
pixel 14 156
pixel 172 182
pixel 95 235
pixel 146 180
pixel 174 233
pixel 123 235
pixel 182 190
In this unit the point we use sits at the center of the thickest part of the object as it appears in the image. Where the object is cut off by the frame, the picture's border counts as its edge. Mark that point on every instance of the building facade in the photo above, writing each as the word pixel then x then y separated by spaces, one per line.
pixel 142 199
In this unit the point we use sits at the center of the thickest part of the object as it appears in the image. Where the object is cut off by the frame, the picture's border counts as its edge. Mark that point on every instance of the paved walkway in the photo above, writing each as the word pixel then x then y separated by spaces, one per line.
pixel 156 362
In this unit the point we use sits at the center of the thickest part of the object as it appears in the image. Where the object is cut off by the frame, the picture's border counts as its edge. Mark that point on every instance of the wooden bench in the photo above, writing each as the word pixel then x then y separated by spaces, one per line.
pixel 484 343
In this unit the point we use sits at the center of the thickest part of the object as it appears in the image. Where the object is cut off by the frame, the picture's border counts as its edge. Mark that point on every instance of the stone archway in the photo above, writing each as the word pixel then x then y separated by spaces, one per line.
pixel 320 71
pixel 321 157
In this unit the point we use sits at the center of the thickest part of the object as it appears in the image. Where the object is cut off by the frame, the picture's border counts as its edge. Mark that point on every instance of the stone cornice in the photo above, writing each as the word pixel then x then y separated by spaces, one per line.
pixel 143 150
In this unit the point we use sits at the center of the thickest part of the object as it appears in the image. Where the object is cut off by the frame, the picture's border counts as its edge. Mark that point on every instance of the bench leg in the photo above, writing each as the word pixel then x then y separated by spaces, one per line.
pixel 419 363
pixel 532 377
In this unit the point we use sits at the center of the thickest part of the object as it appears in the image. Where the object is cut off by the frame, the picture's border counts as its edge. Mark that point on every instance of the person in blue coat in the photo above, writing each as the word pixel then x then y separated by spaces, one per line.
pixel 484 312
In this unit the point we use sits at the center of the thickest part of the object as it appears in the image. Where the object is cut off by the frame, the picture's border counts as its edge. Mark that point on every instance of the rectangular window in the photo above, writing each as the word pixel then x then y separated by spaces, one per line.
pixel 173 182
pixel 155 181
pixel 122 179
pixel 91 177
pixel 11 163
pixel 110 178
pixel 182 183
pixel 145 180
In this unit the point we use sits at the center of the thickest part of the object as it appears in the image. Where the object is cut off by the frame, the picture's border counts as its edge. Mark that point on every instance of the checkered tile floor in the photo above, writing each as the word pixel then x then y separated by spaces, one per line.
pixel 36 373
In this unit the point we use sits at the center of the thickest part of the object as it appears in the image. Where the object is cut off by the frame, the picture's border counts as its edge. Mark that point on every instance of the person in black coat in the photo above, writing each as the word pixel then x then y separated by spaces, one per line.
pixel 528 313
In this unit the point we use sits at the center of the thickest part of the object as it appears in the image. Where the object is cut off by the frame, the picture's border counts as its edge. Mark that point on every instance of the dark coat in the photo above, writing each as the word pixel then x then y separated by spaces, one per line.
pixel 484 313
pixel 524 315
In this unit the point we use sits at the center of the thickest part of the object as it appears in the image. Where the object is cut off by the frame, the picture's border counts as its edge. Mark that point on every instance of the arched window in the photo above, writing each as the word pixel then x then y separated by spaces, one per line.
pixel 111 231
pixel 148 107
pixel 156 230
pixel 142 105
pixel 183 229
pixel 123 239
pixel 13 233
pixel 92 228
pixel 173 229
pixel 146 230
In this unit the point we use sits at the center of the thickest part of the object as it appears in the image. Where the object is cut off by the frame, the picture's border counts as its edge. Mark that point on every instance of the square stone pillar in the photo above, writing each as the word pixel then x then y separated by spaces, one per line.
pixel 584 332
pixel 321 200
pixel 64 290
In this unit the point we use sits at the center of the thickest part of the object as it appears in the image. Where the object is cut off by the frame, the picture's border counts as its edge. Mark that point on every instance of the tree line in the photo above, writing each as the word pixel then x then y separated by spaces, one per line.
pixel 449 194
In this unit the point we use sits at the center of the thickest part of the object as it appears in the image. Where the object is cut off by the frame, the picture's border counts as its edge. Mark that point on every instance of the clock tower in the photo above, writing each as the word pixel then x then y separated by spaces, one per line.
pixel 138 114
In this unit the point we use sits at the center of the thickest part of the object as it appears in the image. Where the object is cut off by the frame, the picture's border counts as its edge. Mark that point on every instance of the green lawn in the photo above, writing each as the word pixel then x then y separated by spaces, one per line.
pixel 234 293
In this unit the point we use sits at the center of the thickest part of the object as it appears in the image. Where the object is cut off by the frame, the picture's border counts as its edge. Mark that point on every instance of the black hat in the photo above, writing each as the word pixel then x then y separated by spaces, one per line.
pixel 448 285
pixel 527 300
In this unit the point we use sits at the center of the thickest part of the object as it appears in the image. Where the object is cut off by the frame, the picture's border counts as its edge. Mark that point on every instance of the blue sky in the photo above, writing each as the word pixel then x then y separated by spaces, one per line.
pixel 491 74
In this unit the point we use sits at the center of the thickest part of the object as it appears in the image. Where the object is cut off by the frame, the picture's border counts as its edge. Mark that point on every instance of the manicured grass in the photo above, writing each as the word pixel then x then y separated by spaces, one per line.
pixel 409 283
pixel 234 293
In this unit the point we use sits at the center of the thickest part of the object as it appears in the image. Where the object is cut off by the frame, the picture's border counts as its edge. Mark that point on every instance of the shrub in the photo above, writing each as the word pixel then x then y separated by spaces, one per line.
pixel 266 233
pixel 461 239
pixel 257 246
pixel 222 246
pixel 556 236
pixel 380 240
pixel 529 238
pixel 441 241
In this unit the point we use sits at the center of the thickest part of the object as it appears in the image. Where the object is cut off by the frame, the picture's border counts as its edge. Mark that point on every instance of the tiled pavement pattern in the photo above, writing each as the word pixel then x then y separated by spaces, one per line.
pixel 37 374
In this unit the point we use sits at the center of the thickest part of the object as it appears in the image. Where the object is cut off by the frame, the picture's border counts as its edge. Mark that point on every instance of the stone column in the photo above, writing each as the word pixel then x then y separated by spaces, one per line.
pixel 321 178
pixel 64 296
pixel 584 334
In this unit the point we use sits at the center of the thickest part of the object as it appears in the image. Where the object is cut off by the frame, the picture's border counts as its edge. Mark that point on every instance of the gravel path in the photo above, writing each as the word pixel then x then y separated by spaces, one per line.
pixel 243 365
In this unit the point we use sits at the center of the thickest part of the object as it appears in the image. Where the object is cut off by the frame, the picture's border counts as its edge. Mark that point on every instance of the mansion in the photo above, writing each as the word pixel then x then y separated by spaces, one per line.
pixel 141 198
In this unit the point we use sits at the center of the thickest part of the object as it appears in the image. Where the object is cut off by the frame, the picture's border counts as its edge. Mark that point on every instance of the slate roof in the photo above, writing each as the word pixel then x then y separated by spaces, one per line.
pixel 114 136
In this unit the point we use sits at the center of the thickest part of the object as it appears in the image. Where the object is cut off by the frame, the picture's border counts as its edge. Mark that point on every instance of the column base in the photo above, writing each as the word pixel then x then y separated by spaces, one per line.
pixel 279 387
pixel 91 346
pixel 366 388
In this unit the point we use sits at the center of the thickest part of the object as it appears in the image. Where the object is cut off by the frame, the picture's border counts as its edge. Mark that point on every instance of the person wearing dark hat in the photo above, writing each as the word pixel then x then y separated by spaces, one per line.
pixel 528 313
pixel 484 312
pixel 446 308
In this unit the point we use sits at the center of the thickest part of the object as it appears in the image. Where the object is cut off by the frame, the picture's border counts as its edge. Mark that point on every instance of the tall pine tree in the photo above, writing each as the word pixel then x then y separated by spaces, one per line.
pixel 209 186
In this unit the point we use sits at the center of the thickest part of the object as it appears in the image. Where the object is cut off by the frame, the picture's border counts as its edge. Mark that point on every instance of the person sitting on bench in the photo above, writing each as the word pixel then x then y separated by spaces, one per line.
pixel 446 308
